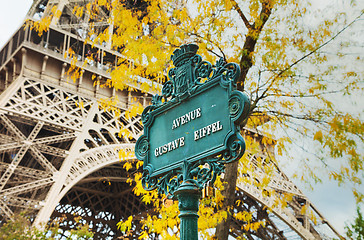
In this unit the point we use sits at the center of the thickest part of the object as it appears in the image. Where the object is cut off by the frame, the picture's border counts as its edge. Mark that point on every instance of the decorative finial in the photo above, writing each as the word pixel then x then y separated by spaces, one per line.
pixel 186 51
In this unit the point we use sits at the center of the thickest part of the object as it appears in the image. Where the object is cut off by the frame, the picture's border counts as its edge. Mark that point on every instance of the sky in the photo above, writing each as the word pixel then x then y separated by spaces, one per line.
pixel 336 204
pixel 12 14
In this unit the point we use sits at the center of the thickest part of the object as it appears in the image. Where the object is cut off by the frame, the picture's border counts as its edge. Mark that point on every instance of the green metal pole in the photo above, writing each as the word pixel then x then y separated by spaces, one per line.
pixel 188 196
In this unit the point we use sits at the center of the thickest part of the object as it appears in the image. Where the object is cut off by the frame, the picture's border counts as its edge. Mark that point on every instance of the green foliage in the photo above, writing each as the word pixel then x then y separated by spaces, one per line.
pixel 20 229
pixel 17 229
pixel 355 231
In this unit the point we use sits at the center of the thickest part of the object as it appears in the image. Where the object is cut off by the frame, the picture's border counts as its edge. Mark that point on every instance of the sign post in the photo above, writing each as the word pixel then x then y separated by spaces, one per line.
pixel 191 131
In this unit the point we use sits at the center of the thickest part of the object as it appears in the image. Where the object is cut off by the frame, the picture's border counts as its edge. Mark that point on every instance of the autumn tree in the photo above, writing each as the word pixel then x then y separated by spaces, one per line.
pixel 300 64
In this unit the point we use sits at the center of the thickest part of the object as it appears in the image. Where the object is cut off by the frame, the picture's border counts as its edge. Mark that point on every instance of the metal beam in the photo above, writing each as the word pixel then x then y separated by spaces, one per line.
pixel 10 146
pixel 54 151
pixel 18 157
pixel 27 187
pixel 14 131
pixel 42 160
pixel 23 202
pixel 97 192
pixel 6 210
pixel 26 172
pixel 55 139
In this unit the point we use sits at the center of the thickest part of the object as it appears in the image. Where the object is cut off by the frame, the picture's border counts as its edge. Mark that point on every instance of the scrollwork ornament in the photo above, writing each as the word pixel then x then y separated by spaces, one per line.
pixel 220 63
pixel 234 106
pixel 146 115
pixel 203 70
pixel 199 174
pixel 230 74
pixel 173 185
pixel 189 71
pixel 142 148
pixel 149 183
pixel 195 60
pixel 171 73
pixel 239 106
pixel 209 174
pixel 167 89
pixel 235 148
pixel 156 100
pixel 233 72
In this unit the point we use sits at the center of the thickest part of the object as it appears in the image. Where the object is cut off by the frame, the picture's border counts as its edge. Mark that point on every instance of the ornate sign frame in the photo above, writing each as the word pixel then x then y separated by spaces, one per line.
pixel 210 135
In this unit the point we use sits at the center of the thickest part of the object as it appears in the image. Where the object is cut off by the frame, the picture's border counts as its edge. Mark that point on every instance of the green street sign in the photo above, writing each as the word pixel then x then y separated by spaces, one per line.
pixel 191 131
pixel 197 117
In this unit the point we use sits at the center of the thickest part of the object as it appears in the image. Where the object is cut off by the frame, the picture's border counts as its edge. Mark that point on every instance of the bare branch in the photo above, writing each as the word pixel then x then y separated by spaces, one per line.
pixel 212 42
pixel 241 14
pixel 308 95
pixel 301 117
pixel 310 53
pixel 302 58
pixel 319 47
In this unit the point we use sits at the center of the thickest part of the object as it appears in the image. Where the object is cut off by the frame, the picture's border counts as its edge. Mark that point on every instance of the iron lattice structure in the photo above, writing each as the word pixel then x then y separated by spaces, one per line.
pixel 59 148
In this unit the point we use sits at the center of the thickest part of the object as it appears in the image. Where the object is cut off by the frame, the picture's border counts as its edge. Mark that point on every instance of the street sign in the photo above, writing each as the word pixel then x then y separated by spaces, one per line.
pixel 191 131
pixel 197 116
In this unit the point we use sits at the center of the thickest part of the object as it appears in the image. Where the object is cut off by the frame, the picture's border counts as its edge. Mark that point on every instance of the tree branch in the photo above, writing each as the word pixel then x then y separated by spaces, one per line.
pixel 319 47
pixel 310 53
pixel 251 40
pixel 241 14
pixel 213 43
pixel 302 117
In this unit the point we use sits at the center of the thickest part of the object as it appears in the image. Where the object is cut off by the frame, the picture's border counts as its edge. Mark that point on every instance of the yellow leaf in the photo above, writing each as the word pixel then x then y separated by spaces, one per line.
pixel 318 136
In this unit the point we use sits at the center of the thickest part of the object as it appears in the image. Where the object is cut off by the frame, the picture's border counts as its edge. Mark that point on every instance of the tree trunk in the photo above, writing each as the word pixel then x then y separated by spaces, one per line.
pixel 231 172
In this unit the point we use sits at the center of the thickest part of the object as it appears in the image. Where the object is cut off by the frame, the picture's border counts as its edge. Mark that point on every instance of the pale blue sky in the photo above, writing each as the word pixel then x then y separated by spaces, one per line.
pixel 336 204
pixel 12 13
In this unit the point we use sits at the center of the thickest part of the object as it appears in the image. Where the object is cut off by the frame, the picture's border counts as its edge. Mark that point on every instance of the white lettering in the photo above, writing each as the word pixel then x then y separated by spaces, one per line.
pixel 198 112
pixel 208 129
pixel 174 144
pixel 188 117
pixel 176 123
pixel 219 126
pixel 156 153
pixel 182 141
pixel 183 120
pixel 193 115
pixel 165 149
pixel 196 135
pixel 205 131
pixel 214 127
pixel 168 147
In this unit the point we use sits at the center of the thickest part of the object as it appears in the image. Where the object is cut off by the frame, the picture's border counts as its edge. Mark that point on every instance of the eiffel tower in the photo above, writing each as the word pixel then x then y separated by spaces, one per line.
pixel 59 148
